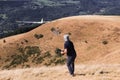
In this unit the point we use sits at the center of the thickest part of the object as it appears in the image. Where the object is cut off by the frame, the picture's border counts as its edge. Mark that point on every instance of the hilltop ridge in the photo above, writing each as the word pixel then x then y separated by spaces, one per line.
pixel 12 11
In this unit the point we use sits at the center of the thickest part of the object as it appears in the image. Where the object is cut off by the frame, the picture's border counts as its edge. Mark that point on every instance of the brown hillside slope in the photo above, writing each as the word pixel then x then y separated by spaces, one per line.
pixel 95 38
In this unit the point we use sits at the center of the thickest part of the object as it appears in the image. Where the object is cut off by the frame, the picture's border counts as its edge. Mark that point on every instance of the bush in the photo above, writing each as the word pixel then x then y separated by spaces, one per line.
pixel 47 54
pixel 23 56
pixel 6 67
pixel 69 33
pixel 52 29
pixel 55 31
pixel 38 36
pixel 45 58
pixel 21 50
pixel 18 59
pixel 4 41
pixel 56 59
pixel 105 42
pixel 38 60
pixel 58 52
pixel 26 40
pixel 60 61
pixel 26 66
pixel 32 50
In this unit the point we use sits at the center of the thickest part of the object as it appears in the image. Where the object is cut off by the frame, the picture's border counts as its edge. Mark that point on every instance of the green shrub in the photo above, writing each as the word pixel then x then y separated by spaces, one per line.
pixel 60 61
pixel 47 64
pixel 55 59
pixel 22 42
pixel 26 66
pixel 21 50
pixel 4 41
pixel 47 54
pixel 25 55
pixel 69 33
pixel 55 31
pixel 32 50
pixel 6 67
pixel 18 59
pixel 26 40
pixel 38 36
pixel 52 29
pixel 58 52
pixel 38 59
pixel 105 42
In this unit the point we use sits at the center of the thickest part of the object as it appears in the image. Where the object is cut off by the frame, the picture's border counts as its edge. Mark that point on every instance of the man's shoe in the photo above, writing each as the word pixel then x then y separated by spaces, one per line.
pixel 73 75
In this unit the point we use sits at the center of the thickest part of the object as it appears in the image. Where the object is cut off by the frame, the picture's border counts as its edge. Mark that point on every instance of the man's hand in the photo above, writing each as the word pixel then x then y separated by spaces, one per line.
pixel 62 52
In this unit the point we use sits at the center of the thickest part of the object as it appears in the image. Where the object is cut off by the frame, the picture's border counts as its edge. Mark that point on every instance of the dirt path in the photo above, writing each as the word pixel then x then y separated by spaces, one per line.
pixel 83 72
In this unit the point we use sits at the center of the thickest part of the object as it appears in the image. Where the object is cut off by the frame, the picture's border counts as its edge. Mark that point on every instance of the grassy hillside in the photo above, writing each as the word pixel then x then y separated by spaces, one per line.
pixel 96 40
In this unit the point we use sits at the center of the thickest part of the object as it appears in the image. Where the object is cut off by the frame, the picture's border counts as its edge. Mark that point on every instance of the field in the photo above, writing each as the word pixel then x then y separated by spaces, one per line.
pixel 83 72
pixel 96 40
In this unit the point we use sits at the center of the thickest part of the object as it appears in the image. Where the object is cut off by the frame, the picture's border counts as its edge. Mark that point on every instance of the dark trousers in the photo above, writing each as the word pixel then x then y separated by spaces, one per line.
pixel 70 64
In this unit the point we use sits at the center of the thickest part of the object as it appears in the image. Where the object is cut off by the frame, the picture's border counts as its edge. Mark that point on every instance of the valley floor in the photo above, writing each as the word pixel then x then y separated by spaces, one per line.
pixel 83 72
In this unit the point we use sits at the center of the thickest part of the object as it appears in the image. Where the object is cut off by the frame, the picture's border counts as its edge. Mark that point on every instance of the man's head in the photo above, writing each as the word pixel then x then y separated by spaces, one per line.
pixel 66 37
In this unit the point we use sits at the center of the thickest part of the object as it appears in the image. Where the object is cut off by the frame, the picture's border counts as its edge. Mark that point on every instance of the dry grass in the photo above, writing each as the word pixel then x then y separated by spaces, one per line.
pixel 83 72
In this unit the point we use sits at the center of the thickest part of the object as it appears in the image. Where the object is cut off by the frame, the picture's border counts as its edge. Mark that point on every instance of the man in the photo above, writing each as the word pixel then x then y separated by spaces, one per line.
pixel 71 54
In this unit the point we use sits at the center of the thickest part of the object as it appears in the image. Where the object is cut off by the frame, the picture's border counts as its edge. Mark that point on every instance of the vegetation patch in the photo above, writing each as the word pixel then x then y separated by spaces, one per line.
pixel 29 50
pixel 23 56
pixel 26 40
pixel 52 29
pixel 18 59
pixel 55 60
pixel 105 42
pixel 4 41
pixel 55 31
pixel 38 36
pixel 58 52
pixel 69 33
pixel 33 54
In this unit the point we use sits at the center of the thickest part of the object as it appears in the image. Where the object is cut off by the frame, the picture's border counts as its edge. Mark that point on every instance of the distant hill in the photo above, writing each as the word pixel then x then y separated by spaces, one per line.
pixel 96 40
pixel 34 10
